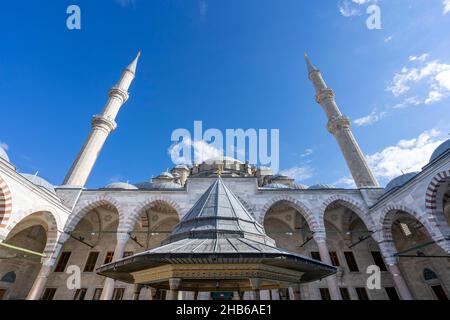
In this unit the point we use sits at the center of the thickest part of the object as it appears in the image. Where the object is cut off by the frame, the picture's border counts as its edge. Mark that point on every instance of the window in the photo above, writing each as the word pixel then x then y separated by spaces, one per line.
pixel 315 255
pixel 334 259
pixel 128 254
pixel 392 293
pixel 91 261
pixel 118 293
pixel 405 228
pixel 344 293
pixel 49 293
pixel 2 294
pixel 62 262
pixel 378 259
pixel 362 293
pixel 109 257
pixel 97 294
pixel 351 261
pixel 80 294
pixel 325 294
pixel 439 292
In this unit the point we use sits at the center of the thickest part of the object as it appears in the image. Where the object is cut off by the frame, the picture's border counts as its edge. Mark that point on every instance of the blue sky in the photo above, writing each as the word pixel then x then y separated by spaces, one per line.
pixel 230 64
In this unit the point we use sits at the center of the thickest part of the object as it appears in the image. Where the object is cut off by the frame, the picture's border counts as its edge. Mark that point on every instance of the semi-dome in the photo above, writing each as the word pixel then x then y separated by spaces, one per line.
pixel 321 186
pixel 39 181
pixel 121 185
pixel 399 181
pixel 440 150
pixel 3 154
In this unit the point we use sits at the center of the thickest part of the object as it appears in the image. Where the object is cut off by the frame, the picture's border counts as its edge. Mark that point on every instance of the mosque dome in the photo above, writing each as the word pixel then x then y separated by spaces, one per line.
pixel 121 185
pixel 157 185
pixel 221 160
pixel 182 166
pixel 440 150
pixel 276 186
pixel 39 181
pixel 321 186
pixel 399 181
pixel 3 154
pixel 165 175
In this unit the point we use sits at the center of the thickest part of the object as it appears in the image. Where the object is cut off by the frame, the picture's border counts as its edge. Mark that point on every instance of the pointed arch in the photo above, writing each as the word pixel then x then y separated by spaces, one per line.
pixel 89 205
pixel 387 218
pixel 5 204
pixel 296 204
pixel 434 198
pixel 358 208
pixel 147 204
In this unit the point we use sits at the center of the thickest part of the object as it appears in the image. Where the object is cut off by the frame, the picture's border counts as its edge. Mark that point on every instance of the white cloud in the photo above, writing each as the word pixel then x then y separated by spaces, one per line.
pixel 408 102
pixel 202 151
pixel 307 153
pixel 446 4
pixel 373 117
pixel 350 8
pixel 345 182
pixel 406 156
pixel 421 58
pixel 299 172
pixel 388 39
pixel 434 96
pixel 4 146
pixel 436 75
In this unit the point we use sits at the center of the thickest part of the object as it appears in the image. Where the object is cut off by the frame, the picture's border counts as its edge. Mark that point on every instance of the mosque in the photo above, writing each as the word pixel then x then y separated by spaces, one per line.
pixel 224 229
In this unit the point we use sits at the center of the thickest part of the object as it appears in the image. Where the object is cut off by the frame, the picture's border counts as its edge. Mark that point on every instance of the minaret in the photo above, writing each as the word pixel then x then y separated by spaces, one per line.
pixel 102 126
pixel 339 126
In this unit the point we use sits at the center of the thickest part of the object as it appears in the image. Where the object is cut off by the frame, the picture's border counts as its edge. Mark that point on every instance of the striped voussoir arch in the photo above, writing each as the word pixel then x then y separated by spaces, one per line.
pixel 388 215
pixel 433 199
pixel 90 204
pixel 296 204
pixel 5 204
pixel 358 208
pixel 134 216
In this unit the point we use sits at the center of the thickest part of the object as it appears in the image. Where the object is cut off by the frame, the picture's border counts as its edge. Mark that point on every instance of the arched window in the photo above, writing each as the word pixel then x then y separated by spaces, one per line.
pixel 429 274
pixel 432 279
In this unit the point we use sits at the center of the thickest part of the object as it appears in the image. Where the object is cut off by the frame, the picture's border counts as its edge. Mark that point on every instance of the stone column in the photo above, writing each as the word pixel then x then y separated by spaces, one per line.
pixel 47 265
pixel 137 291
pixel 332 283
pixel 255 283
pixel 297 292
pixel 108 287
pixel 388 251
pixel 236 295
pixel 174 285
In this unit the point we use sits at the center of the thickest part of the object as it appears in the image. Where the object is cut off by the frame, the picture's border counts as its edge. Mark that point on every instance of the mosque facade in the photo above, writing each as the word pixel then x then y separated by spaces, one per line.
pixel 49 232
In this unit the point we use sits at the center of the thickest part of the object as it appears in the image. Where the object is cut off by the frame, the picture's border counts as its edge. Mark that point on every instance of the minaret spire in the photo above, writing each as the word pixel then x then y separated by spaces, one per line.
pixel 339 126
pixel 102 126
pixel 309 64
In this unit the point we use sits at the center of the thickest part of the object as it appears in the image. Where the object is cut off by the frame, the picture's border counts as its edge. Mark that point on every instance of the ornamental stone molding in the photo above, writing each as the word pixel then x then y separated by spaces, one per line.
pixel 338 123
pixel 100 121
pixel 117 92
pixel 325 95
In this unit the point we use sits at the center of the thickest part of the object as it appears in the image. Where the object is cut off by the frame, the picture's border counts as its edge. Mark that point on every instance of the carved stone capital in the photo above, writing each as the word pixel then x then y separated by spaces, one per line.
pixel 104 123
pixel 324 95
pixel 118 92
pixel 338 123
